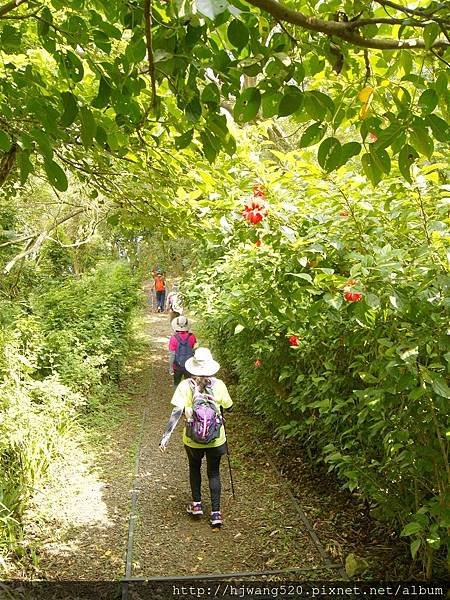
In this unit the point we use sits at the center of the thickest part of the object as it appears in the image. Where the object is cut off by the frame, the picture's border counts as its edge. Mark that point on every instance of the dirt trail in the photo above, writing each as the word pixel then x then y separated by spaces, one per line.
pixel 262 531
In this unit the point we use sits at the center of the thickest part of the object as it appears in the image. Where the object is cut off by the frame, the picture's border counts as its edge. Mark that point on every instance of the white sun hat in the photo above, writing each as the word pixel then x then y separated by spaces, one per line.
pixel 180 323
pixel 202 363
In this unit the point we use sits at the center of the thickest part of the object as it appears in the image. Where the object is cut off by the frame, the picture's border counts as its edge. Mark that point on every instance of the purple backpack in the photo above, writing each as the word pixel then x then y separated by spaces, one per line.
pixel 204 424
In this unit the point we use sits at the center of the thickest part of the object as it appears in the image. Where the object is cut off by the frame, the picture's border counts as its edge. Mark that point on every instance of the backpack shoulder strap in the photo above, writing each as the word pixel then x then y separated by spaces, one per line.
pixel 178 337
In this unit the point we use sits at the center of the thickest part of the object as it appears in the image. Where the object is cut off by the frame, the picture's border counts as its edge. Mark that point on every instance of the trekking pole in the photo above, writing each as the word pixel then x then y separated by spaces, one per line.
pixel 228 454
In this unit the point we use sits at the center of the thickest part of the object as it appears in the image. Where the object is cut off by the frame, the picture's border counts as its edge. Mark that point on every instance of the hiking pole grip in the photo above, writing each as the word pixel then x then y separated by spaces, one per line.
pixel 228 453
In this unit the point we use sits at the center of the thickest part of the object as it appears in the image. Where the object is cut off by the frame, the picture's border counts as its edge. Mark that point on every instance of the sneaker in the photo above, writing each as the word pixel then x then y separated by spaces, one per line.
pixel 216 519
pixel 195 509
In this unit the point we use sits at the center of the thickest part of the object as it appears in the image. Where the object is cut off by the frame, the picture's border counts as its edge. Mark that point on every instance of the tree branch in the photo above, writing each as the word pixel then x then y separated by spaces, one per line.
pixel 9 6
pixel 149 43
pixel 25 16
pixel 17 241
pixel 411 11
pixel 38 241
pixel 340 29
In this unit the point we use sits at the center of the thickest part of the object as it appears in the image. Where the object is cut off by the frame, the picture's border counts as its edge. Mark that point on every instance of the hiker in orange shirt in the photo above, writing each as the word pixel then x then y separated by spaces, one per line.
pixel 160 289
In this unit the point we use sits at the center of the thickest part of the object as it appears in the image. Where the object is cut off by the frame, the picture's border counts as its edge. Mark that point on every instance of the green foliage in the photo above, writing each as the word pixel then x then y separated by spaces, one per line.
pixel 366 388
pixel 77 94
pixel 57 362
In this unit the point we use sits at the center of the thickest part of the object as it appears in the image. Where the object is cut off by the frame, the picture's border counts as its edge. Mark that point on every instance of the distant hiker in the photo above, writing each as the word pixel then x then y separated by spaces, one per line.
pixel 175 302
pixel 181 348
pixel 201 398
pixel 160 289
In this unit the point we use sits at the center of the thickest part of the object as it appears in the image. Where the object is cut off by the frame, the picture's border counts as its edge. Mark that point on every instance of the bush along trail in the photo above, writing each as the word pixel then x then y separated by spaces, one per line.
pixel 339 337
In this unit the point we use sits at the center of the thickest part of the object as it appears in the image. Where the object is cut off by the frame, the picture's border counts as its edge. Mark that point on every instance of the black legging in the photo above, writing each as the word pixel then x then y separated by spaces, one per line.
pixel 179 374
pixel 213 456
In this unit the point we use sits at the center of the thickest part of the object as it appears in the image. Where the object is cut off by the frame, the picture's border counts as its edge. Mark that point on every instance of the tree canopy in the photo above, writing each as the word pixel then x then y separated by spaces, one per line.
pixel 87 86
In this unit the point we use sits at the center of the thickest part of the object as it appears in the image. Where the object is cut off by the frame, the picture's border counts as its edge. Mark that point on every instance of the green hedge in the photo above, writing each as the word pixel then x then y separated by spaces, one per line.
pixel 366 388
pixel 58 359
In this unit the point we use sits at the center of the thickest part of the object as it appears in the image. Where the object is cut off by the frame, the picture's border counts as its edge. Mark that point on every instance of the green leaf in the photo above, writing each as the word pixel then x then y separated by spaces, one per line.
pixel 371 170
pixel 211 94
pixel 101 136
pixel 113 220
pixel 10 38
pixel 136 50
pixel 313 134
pixel 291 102
pixel 88 127
pixel 210 146
pixel 43 25
pixel 25 165
pixel 317 104
pixel 406 158
pixel 306 276
pixel 329 154
pixel 56 175
pixel 380 158
pixel 372 300
pixel 441 83
pixel 211 8
pixel 101 40
pixel 44 143
pixel 238 34
pixel 184 139
pixel 74 66
pixel 421 141
pixel 439 385
pixel 193 110
pixel 5 141
pixel 414 547
pixel 439 127
pixel 247 105
pixel 430 33
pixel 428 101
pixel 104 92
pixel 238 329
pixel 411 529
pixel 269 104
pixel 349 150
pixel 70 109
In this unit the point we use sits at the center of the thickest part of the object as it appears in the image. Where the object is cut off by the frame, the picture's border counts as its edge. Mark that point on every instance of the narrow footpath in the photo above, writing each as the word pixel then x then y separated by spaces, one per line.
pixel 262 529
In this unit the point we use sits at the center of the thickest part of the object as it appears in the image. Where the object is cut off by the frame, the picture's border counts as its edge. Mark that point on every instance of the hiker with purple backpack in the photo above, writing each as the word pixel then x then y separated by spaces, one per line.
pixel 201 398
pixel 181 348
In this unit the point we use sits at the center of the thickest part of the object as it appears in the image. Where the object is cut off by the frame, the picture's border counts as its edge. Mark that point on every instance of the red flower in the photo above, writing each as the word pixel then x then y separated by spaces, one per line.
pixel 372 137
pixel 344 213
pixel 293 341
pixel 258 243
pixel 353 296
pixel 254 211
pixel 258 363
pixel 254 216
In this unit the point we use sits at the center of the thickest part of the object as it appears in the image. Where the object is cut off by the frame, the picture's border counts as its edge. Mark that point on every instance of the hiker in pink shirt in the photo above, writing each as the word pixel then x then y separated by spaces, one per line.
pixel 181 347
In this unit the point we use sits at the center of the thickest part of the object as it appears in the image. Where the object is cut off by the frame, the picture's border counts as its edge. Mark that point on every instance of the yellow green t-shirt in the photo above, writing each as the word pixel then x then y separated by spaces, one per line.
pixel 182 398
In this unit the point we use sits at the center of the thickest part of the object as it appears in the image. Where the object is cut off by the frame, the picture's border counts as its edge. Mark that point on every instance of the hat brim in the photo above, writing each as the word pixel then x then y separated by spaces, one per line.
pixel 205 370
